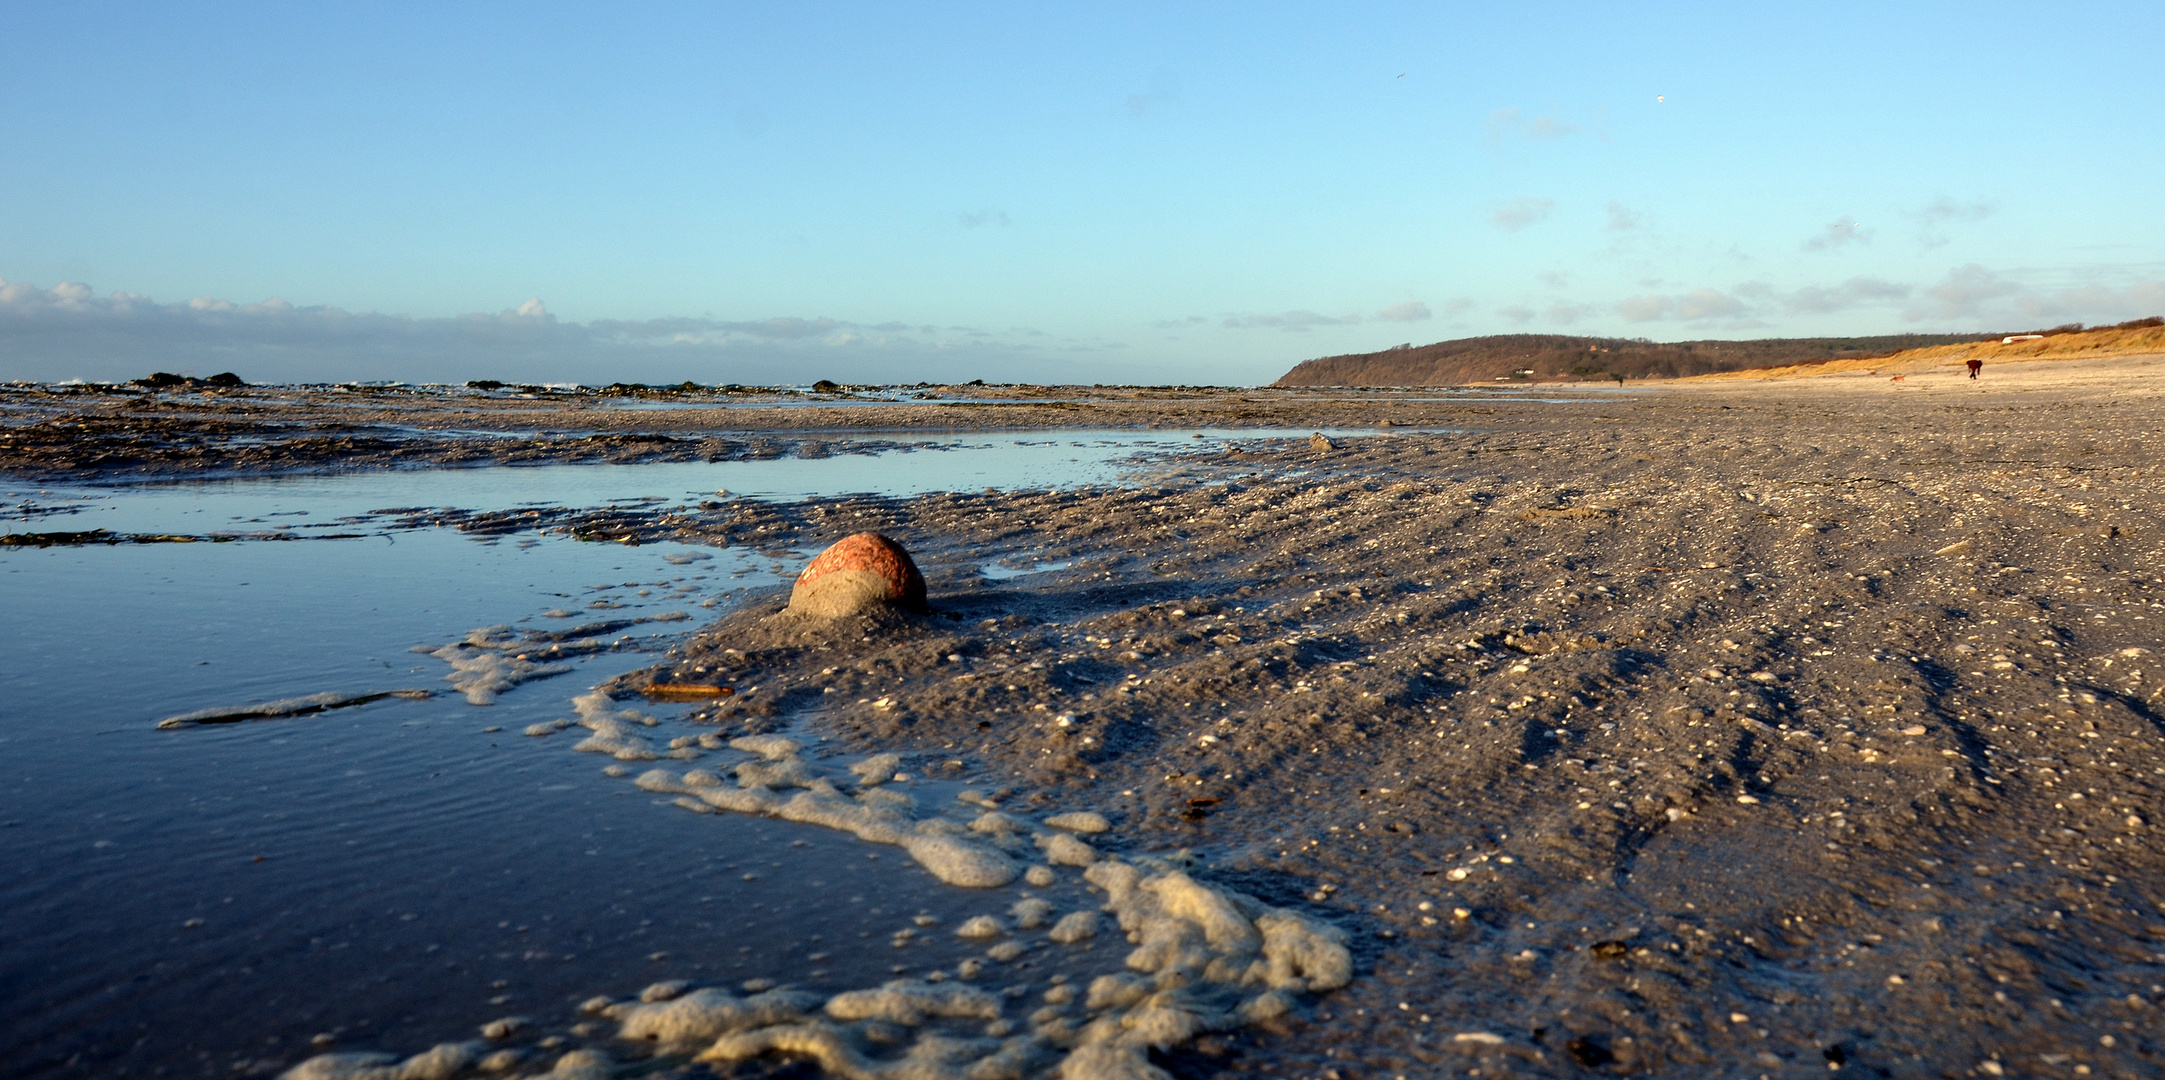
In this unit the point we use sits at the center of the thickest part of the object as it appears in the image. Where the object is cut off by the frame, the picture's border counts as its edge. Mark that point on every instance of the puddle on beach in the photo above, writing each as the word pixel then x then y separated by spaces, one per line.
pixel 231 899
pixel 303 503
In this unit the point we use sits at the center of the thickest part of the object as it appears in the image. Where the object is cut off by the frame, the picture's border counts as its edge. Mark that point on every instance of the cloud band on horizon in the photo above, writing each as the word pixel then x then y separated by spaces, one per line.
pixel 68 331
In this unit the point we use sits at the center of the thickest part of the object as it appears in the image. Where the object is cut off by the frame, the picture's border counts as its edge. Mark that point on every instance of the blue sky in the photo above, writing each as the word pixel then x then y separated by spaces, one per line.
pixel 1048 193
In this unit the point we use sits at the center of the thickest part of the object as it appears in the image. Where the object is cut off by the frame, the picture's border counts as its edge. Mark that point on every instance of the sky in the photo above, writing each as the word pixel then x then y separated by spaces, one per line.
pixel 1152 193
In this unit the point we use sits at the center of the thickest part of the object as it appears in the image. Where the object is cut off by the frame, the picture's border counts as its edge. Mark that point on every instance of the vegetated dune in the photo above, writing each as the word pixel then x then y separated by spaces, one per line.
pixel 1536 357
pixel 2142 337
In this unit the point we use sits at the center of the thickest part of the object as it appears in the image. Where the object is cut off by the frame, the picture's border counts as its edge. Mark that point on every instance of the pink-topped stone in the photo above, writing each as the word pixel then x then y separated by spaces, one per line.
pixel 858 573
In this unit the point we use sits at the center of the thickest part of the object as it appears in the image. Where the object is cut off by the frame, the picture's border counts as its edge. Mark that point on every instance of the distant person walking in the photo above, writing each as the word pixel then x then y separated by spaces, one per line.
pixel 1975 364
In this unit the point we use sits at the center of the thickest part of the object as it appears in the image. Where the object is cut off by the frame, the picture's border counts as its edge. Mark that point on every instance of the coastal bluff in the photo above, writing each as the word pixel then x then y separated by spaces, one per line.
pixel 1553 357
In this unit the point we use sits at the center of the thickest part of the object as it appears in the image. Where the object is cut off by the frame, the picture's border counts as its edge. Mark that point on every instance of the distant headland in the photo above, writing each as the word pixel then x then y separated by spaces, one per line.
pixel 1530 358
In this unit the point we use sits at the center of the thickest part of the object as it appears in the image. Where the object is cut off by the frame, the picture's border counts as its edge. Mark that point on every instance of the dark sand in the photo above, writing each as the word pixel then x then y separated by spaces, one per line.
pixel 1729 730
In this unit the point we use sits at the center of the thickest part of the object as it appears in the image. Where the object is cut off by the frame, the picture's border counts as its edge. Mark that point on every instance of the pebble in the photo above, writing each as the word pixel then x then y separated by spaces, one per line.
pixel 1082 821
pixel 979 927
pixel 499 1030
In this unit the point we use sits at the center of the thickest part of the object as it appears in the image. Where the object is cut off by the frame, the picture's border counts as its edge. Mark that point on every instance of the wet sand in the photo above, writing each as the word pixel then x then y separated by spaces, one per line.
pixel 75 433
pixel 1736 729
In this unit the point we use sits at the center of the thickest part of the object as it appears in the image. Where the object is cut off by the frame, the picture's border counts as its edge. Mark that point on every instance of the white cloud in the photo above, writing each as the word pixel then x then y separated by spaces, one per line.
pixel 1943 210
pixel 1565 313
pixel 1164 90
pixel 1508 123
pixel 1520 212
pixel 1966 291
pixel 1841 232
pixel 69 331
pixel 1856 292
pixel 1519 315
pixel 1708 304
pixel 1294 321
pixel 1750 299
pixel 1977 294
pixel 1694 305
pixel 1304 320
pixel 2145 298
pixel 1622 218
pixel 1946 209
pixel 1971 294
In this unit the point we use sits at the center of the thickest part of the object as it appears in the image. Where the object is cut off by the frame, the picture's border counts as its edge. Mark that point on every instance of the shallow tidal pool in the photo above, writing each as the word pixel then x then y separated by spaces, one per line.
pixel 229 899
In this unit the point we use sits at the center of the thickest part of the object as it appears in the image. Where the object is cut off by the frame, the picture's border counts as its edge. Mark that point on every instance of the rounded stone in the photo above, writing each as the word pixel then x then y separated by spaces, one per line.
pixel 858 573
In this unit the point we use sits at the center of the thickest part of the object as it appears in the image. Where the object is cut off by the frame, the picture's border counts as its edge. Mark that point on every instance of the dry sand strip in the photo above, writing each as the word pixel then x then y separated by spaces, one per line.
pixel 2126 356
pixel 1744 730
pixel 1756 730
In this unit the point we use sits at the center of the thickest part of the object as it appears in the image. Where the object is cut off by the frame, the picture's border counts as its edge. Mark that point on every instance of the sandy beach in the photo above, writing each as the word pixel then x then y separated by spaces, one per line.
pixel 1721 727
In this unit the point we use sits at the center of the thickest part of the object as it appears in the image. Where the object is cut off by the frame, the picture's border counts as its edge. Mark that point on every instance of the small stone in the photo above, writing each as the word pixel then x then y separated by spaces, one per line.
pixel 1074 926
pixel 1030 914
pixel 1082 821
pixel 980 927
pixel 499 1030
pixel 1064 850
